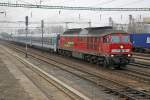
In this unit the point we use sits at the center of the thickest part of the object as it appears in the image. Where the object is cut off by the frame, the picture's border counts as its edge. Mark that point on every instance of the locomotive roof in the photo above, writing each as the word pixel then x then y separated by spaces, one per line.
pixel 93 31
pixel 70 31
pixel 99 28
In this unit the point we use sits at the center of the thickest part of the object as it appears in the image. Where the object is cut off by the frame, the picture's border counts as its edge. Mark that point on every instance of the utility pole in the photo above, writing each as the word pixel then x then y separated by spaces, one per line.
pixel 110 21
pixel 42 27
pixel 26 23
pixel 66 23
pixel 40 2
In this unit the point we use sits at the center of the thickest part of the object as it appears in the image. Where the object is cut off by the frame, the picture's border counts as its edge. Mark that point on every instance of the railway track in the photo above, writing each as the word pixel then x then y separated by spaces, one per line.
pixel 133 73
pixel 69 91
pixel 140 69
pixel 142 60
pixel 142 57
pixel 141 65
pixel 112 86
pixel 141 54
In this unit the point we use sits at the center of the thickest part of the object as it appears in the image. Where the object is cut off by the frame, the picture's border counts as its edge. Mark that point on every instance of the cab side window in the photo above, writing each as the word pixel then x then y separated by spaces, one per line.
pixel 105 39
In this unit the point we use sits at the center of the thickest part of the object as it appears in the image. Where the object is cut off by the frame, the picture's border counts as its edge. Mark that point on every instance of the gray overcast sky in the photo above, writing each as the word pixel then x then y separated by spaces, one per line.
pixel 15 14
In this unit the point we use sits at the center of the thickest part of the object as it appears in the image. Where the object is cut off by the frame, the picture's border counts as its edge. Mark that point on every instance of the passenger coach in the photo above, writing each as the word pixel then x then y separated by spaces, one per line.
pixel 48 41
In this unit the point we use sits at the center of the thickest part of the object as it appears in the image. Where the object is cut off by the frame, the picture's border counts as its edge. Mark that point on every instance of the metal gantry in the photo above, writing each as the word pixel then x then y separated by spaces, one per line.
pixel 72 8
pixel 36 22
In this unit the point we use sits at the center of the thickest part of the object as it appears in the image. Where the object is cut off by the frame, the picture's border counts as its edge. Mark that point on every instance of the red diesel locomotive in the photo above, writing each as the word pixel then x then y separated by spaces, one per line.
pixel 101 45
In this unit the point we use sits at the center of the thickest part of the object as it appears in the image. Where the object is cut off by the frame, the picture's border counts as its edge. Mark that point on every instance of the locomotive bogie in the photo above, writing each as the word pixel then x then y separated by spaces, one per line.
pixel 120 59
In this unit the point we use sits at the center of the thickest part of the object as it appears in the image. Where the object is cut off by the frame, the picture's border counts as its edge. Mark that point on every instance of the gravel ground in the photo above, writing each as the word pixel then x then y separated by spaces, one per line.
pixel 17 69
pixel 91 90
pixel 14 84
pixel 85 87
pixel 10 89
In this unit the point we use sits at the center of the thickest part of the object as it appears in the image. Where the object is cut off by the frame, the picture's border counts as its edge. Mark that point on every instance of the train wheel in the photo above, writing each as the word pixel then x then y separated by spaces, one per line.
pixel 105 64
pixel 99 61
pixel 118 67
pixel 91 60
pixel 88 58
pixel 123 66
pixel 112 67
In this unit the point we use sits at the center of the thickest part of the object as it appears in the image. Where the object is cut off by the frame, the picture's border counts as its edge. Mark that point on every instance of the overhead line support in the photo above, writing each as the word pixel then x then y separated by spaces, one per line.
pixel 72 8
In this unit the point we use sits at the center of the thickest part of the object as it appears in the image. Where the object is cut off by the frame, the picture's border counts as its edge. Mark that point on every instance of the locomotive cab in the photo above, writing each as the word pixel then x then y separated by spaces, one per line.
pixel 118 49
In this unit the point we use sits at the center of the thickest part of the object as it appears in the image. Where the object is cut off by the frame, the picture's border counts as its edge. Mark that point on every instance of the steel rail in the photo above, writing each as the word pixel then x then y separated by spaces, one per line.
pixel 57 83
pixel 125 91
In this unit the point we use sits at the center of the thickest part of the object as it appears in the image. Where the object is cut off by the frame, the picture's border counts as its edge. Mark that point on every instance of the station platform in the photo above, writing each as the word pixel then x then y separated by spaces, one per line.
pixel 14 85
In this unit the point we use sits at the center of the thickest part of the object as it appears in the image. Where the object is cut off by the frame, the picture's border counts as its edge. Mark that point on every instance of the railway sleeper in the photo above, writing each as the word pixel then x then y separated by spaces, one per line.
pixel 135 94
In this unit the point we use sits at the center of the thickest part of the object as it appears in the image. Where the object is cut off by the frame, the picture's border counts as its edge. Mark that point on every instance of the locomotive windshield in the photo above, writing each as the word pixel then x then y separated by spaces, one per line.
pixel 125 39
pixel 117 39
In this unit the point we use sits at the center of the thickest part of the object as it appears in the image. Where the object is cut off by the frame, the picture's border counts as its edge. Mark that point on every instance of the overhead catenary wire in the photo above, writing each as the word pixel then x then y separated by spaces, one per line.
pixel 36 22
pixel 72 8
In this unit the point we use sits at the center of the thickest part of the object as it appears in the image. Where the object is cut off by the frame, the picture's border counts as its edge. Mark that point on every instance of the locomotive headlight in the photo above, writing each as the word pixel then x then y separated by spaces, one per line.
pixel 129 55
pixel 121 46
pixel 112 55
